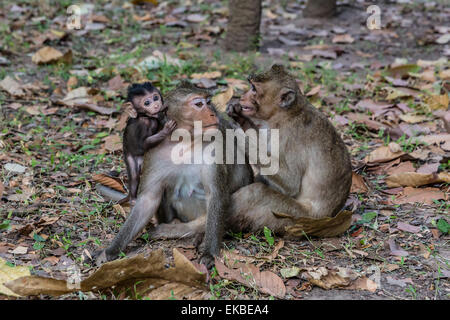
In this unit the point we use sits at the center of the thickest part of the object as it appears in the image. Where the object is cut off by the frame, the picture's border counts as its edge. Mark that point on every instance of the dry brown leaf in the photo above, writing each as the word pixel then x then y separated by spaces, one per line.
pixel 81 98
pixel 108 181
pixel 49 55
pixel 445 74
pixel 231 258
pixel 249 275
pixel 363 283
pixel 382 154
pixel 149 272
pixel 358 184
pixel 415 179
pixel 401 168
pixel 324 227
pixel 113 143
pixel 341 278
pixel 421 195
pixel 237 84
pixel 314 91
pixel 274 253
pixel 9 273
pixel 413 118
pixel 437 102
pixel 343 38
pixel 220 100
pixel 207 75
pixel 12 87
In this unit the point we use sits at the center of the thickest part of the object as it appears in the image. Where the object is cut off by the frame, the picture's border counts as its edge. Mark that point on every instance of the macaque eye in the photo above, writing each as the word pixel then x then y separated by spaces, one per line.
pixel 156 98
pixel 208 100
pixel 253 87
pixel 146 102
pixel 198 102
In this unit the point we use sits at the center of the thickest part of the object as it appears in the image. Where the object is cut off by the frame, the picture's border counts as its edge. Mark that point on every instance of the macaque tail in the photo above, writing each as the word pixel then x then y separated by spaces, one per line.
pixel 111 194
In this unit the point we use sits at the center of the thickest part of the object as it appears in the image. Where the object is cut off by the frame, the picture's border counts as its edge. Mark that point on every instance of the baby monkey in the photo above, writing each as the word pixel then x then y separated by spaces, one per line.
pixel 147 127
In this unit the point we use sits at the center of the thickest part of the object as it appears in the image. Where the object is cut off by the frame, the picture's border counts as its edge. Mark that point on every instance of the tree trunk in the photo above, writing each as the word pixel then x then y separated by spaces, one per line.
pixel 243 25
pixel 320 9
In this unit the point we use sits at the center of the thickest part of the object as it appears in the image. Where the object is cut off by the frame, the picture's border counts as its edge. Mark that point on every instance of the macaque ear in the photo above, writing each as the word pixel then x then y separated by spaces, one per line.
pixel 130 110
pixel 287 98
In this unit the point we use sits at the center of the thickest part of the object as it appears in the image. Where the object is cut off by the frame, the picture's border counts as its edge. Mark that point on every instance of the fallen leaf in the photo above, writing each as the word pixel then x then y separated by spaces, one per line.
pixel 358 184
pixel 421 195
pixel 290 272
pixel 412 118
pixel 363 283
pixel 116 83
pixel 20 250
pixel 395 249
pixel 12 87
pixel 49 55
pixel 415 179
pixel 113 143
pixel 429 168
pixel 382 154
pixel 249 275
pixel 437 102
pixel 443 39
pixel 237 84
pixel 196 18
pixel 313 91
pixel 343 38
pixel 407 227
pixel 14 168
pixel 138 275
pixel 9 273
pixel 403 167
pixel 274 253
pixel 108 181
pixel 81 98
pixel 329 279
pixel 207 75
pixel 220 100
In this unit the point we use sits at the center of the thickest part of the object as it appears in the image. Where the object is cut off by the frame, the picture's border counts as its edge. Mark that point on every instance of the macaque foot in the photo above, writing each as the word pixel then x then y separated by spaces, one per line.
pixel 208 260
pixel 100 257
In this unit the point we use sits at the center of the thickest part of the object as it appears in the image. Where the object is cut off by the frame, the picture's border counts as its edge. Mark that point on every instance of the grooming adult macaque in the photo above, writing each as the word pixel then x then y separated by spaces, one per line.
pixel 195 192
pixel 145 129
pixel 314 175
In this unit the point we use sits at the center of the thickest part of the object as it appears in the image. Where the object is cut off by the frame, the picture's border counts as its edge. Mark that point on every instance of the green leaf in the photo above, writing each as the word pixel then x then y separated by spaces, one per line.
pixel 368 216
pixel 38 238
pixel 4 224
pixel 443 226
pixel 268 235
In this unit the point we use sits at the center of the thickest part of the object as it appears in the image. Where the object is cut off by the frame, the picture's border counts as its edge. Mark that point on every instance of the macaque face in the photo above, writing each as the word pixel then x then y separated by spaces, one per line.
pixel 197 108
pixel 149 104
pixel 258 101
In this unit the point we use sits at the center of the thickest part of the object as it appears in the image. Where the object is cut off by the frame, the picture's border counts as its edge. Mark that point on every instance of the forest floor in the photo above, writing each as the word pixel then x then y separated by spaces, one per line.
pixel 385 90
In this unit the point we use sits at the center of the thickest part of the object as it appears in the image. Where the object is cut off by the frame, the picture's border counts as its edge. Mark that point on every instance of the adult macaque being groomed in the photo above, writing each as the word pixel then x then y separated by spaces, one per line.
pixel 196 193
pixel 145 129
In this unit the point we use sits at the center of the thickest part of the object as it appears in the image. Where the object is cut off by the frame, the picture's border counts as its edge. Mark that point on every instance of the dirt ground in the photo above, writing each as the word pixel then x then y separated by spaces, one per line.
pixel 51 213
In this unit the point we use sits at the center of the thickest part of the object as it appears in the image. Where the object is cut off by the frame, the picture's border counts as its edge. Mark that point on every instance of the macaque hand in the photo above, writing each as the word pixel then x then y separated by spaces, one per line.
pixel 169 127
pixel 234 110
pixel 131 111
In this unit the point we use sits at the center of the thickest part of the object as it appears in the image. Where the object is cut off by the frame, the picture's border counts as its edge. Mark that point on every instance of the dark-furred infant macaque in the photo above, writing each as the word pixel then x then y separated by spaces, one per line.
pixel 147 127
